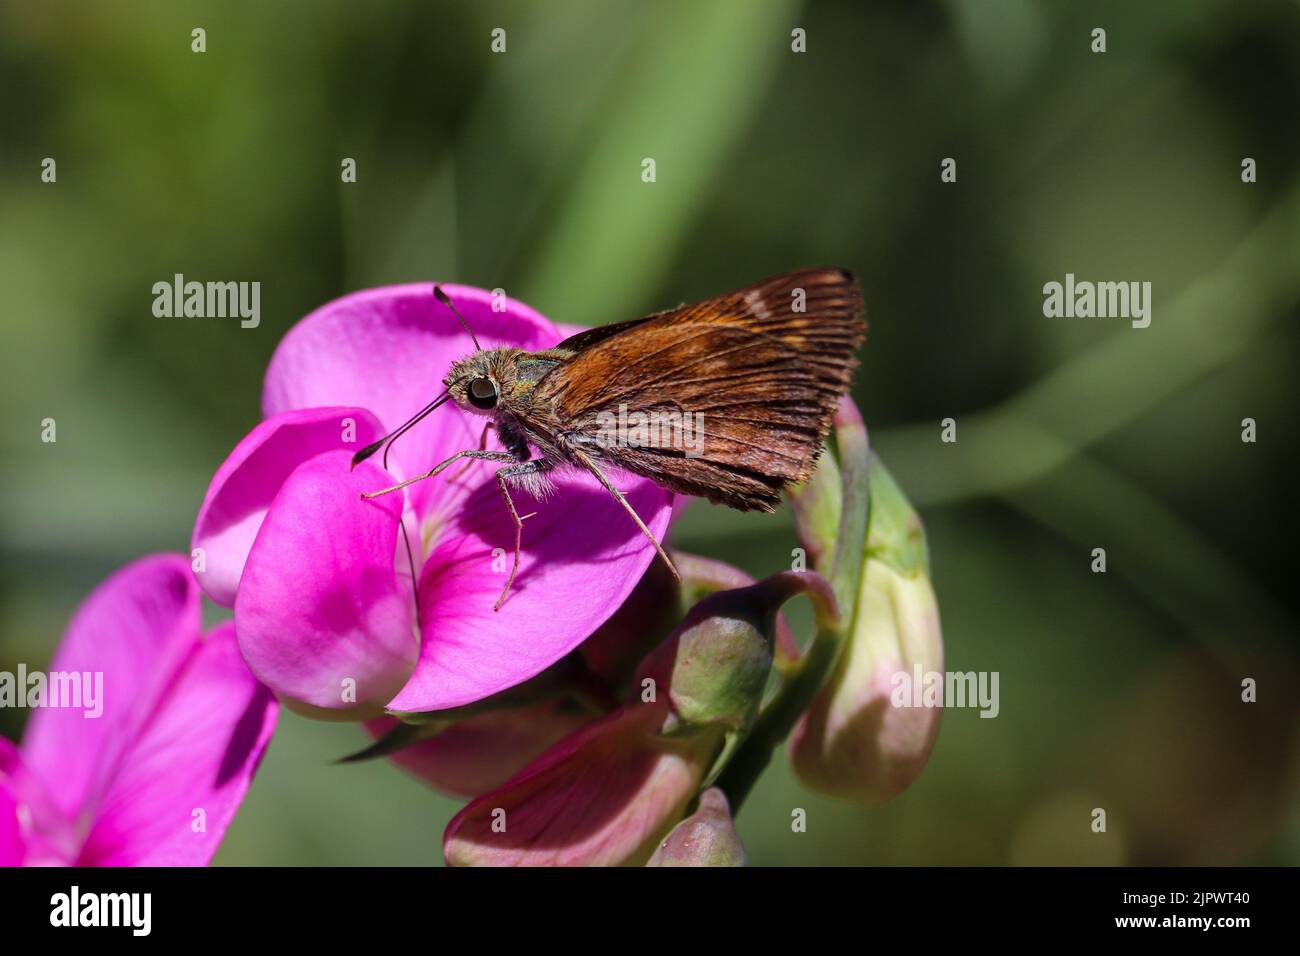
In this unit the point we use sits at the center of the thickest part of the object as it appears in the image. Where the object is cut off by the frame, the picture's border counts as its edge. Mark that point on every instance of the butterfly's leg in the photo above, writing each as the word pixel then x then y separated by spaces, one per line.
pixel 484 455
pixel 482 446
pixel 537 466
pixel 590 465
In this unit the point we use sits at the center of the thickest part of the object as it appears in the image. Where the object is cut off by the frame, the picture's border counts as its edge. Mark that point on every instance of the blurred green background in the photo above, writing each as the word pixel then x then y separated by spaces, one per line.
pixel 522 170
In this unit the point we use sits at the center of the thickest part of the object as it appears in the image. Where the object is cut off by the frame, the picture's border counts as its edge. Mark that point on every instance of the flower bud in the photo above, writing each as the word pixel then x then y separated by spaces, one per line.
pixel 706 838
pixel 715 665
pixel 864 738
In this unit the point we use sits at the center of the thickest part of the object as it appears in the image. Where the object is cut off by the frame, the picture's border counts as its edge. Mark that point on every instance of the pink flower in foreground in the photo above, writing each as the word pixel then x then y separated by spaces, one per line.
pixel 319 578
pixel 158 776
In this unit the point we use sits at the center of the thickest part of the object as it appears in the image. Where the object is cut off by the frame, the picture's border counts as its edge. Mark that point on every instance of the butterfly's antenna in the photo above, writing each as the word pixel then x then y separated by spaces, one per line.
pixel 388 439
pixel 442 297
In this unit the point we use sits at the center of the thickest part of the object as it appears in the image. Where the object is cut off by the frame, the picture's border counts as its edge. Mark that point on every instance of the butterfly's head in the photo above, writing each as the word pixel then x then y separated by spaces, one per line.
pixel 481 381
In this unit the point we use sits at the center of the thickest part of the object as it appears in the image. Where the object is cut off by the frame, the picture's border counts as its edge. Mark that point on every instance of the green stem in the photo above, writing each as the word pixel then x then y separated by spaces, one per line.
pixel 850 542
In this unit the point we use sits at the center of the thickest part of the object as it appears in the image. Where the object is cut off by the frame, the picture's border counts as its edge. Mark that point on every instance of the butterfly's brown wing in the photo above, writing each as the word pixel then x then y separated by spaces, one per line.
pixel 765 377
pixel 586 339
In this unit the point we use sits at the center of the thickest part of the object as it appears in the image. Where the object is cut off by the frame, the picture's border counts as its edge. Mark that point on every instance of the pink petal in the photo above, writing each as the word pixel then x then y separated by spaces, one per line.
pixel 12 845
pixel 604 796
pixel 247 481
pixel 178 785
pixel 33 831
pixel 485 751
pixel 134 629
pixel 581 557
pixel 320 603
pixel 387 350
pixel 12 848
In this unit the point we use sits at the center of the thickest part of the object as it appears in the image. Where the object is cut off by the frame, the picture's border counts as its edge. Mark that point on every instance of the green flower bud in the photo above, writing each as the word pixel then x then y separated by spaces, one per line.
pixel 705 838
pixel 862 738
pixel 715 665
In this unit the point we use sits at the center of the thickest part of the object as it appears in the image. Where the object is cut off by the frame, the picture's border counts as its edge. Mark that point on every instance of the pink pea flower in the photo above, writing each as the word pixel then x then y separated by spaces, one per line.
pixel 158 776
pixel 319 578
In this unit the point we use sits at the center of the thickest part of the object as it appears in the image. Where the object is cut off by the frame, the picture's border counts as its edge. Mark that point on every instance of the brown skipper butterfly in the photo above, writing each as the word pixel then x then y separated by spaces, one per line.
pixel 728 399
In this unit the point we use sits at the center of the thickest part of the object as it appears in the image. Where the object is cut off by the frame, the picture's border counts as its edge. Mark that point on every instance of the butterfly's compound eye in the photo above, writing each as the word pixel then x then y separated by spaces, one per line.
pixel 482 393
